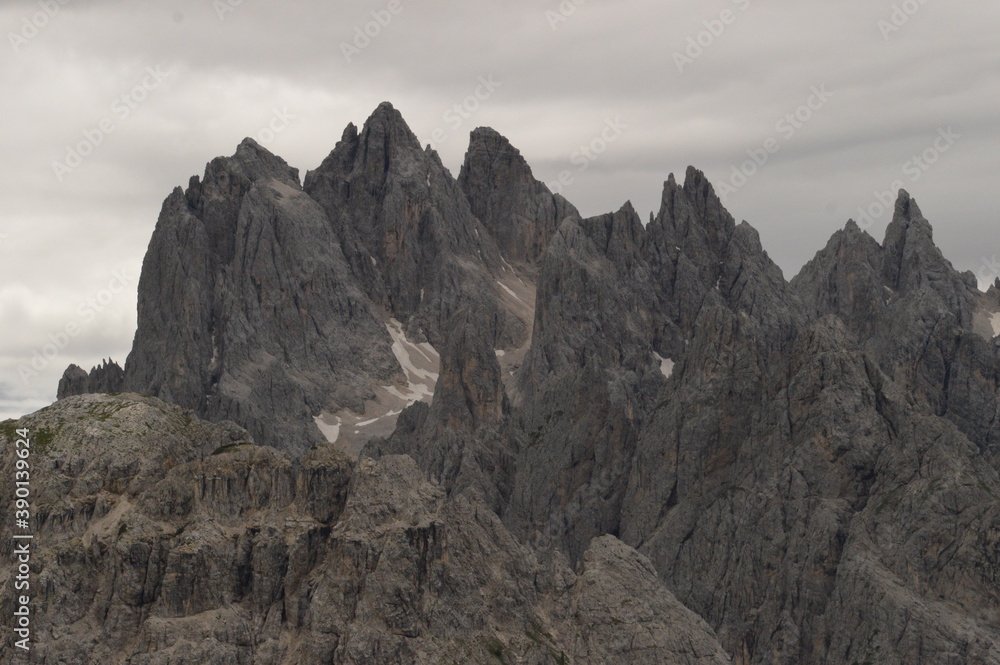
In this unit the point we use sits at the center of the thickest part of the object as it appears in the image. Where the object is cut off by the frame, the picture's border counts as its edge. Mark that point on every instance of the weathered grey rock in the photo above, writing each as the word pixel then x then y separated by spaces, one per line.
pixel 807 469
pixel 584 383
pixel 763 450
pixel 265 305
pixel 409 233
pixel 615 301
pixel 463 440
pixel 161 538
pixel 74 381
pixel 469 392
pixel 626 622
pixel 917 315
pixel 108 377
pixel 754 486
pixel 520 212
pixel 248 310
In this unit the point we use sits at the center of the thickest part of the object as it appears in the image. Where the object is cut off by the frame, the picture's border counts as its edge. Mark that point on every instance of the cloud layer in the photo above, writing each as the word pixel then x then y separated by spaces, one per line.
pixel 805 114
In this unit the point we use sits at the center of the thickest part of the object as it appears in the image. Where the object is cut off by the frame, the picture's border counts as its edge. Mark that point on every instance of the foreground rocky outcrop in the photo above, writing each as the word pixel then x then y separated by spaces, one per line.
pixel 161 538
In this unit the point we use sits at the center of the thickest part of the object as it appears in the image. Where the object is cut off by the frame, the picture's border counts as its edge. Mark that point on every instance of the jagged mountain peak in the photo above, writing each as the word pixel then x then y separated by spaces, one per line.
pixel 520 211
pixel 483 134
pixel 385 114
pixel 350 133
pixel 906 206
pixel 384 144
pixel 851 235
pixel 385 109
pixel 492 155
pixel 106 377
pixel 618 235
pixel 907 258
pixel 911 256
pixel 407 230
pixel 907 219
pixel 694 210
pixel 854 233
pixel 253 162
pixel 488 143
pixel 215 197
pixel 696 184
pixel 387 124
pixel 250 144
pixel 926 323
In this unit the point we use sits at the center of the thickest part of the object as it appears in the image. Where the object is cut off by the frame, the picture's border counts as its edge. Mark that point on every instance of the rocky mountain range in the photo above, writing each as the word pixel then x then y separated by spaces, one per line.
pixel 386 415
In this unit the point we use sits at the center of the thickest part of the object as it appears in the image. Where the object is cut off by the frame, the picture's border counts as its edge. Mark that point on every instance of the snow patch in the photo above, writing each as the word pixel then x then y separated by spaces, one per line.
pixel 366 423
pixel 415 359
pixel 350 429
pixel 331 432
pixel 214 362
pixel 507 266
pixel 500 353
pixel 666 364
pixel 511 293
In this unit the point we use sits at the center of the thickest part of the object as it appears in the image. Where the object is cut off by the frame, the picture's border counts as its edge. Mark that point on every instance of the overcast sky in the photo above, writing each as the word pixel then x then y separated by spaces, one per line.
pixel 108 105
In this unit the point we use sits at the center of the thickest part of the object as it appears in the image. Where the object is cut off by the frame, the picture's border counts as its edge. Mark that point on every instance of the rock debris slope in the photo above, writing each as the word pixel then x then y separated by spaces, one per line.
pixel 569 440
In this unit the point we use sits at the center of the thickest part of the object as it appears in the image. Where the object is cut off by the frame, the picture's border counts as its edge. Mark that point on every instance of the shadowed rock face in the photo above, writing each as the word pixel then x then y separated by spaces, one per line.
pixel 643 445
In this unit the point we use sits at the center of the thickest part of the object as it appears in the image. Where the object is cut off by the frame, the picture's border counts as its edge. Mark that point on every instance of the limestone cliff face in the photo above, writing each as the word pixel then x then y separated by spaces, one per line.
pixel 247 307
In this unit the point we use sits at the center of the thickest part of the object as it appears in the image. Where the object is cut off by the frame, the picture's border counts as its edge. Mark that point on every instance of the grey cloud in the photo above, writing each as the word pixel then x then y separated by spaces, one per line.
pixel 608 58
